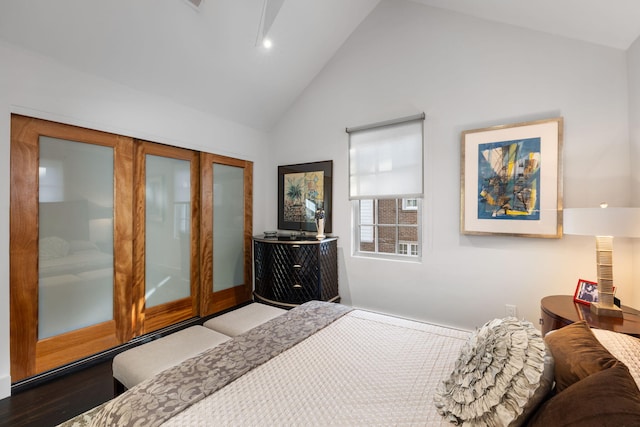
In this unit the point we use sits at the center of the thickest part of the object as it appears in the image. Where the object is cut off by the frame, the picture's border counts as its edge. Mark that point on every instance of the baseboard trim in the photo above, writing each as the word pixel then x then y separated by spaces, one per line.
pixel 5 387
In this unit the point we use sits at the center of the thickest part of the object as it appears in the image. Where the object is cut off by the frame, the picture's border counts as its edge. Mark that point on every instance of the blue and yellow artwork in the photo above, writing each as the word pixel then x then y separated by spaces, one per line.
pixel 509 180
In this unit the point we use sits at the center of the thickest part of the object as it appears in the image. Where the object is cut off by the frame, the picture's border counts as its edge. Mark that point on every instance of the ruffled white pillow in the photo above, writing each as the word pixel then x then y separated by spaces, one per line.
pixel 502 374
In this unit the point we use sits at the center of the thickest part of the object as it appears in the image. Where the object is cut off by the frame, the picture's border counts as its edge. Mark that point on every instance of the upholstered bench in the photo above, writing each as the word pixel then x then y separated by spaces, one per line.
pixel 242 319
pixel 133 366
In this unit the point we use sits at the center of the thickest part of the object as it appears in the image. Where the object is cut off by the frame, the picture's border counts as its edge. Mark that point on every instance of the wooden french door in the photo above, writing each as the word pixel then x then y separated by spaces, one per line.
pixel 163 236
pixel 166 226
pixel 70 293
pixel 226 229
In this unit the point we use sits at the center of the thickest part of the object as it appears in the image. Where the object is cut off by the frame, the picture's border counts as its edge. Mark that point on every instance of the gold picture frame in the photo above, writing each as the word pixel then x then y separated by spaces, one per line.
pixel 511 182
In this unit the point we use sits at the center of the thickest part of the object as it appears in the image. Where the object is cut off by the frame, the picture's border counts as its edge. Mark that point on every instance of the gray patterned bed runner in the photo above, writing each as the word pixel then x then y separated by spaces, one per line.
pixel 158 399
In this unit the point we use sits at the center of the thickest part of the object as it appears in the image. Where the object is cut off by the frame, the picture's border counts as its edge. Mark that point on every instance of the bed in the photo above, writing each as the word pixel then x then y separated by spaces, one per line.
pixel 328 364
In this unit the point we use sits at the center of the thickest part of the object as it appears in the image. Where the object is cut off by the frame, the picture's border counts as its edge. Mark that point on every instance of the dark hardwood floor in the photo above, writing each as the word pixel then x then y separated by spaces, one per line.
pixel 59 399
pixel 68 395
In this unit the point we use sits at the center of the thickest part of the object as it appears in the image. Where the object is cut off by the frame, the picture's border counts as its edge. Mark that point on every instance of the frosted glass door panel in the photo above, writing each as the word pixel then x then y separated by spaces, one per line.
pixel 168 230
pixel 228 227
pixel 75 269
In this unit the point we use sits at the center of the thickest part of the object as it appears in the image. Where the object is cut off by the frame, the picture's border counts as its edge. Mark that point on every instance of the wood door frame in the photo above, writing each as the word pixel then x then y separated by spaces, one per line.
pixel 29 355
pixel 154 318
pixel 213 302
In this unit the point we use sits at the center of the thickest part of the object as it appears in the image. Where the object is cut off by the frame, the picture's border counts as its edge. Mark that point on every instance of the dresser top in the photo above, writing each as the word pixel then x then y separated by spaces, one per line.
pixel 308 239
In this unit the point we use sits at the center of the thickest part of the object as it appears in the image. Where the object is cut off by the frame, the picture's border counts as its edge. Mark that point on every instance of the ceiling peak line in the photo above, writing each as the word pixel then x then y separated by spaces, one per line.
pixel 270 9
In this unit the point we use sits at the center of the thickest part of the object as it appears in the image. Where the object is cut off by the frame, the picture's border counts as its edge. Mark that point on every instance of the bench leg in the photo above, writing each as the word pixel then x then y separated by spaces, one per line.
pixel 118 388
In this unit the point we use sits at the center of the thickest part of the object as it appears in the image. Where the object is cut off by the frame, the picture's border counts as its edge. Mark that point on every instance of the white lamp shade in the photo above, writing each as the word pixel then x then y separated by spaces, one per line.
pixel 616 222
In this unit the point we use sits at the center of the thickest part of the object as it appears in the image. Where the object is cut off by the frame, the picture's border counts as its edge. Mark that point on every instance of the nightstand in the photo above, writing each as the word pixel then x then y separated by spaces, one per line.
pixel 560 310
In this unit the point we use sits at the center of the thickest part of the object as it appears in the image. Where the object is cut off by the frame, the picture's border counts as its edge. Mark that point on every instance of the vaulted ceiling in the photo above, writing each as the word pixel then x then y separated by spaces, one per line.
pixel 209 57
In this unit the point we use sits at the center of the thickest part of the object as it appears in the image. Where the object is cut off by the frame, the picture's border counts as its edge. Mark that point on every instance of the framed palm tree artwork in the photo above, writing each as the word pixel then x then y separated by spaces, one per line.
pixel 304 191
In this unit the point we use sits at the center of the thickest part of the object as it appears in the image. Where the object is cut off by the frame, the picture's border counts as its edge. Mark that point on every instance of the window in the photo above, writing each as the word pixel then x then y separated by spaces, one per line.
pixel 366 221
pixel 408 248
pixel 386 187
pixel 409 204
pixel 383 228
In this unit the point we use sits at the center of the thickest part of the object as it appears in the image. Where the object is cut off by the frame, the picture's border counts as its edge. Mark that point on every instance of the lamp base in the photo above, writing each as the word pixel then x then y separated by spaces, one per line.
pixel 600 309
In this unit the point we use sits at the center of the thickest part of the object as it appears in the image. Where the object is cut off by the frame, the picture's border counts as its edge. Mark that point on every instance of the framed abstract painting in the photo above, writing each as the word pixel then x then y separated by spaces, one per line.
pixel 510 180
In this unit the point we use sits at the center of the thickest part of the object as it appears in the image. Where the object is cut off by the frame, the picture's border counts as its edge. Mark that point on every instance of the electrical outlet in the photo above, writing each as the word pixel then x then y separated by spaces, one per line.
pixel 511 310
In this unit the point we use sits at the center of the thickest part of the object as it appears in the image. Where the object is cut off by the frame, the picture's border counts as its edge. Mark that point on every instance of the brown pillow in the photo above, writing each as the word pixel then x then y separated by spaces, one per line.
pixel 606 398
pixel 577 354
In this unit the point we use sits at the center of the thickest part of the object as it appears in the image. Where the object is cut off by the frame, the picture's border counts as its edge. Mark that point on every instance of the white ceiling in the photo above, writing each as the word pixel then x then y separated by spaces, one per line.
pixel 613 23
pixel 207 58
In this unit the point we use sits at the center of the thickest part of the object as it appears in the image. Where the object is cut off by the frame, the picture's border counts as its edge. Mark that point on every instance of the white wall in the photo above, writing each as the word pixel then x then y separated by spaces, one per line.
pixel 466 73
pixel 633 60
pixel 37 87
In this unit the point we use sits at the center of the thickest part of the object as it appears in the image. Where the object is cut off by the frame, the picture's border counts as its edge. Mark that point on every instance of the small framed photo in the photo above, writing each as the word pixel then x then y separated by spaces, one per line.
pixel 586 292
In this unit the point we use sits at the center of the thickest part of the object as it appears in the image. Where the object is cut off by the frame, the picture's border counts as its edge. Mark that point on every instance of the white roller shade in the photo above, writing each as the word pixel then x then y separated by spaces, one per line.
pixel 386 161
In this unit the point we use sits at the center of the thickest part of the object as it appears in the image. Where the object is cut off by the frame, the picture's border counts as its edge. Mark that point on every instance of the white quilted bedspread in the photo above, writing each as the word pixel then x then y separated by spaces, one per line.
pixel 624 348
pixel 364 369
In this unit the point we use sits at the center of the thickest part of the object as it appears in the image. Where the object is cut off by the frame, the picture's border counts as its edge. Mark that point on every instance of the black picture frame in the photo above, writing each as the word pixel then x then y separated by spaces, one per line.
pixel 299 196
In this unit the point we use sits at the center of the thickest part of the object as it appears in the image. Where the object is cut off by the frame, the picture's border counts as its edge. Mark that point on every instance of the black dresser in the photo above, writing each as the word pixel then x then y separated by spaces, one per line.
pixel 290 272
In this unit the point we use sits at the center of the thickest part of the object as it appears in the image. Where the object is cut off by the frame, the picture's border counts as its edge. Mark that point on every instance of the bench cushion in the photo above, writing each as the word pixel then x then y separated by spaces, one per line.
pixel 242 319
pixel 133 366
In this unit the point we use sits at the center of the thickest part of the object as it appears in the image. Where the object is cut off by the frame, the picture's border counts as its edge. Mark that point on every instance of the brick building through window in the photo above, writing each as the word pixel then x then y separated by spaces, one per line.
pixel 391 225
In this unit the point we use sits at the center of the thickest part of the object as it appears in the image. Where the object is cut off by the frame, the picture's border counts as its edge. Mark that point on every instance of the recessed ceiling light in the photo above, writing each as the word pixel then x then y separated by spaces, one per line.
pixel 267 43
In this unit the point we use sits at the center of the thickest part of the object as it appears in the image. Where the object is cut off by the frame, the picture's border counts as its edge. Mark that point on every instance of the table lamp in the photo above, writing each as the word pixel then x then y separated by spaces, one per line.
pixel 604 223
